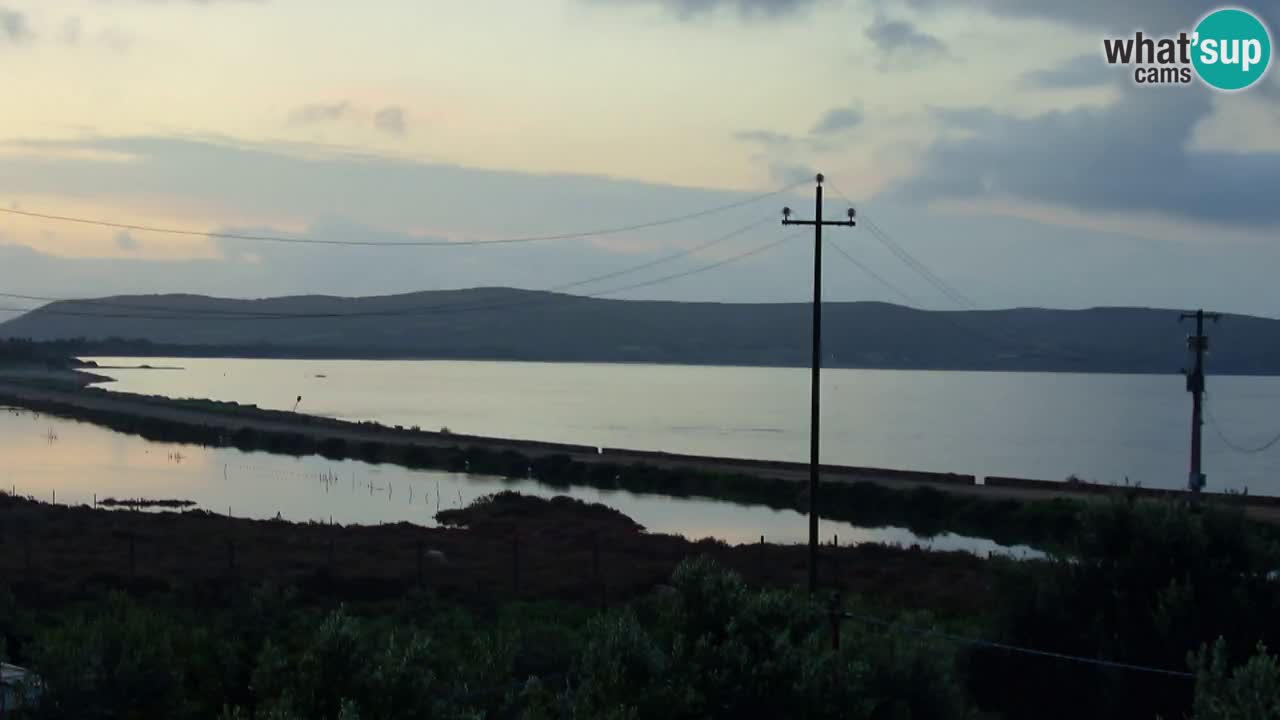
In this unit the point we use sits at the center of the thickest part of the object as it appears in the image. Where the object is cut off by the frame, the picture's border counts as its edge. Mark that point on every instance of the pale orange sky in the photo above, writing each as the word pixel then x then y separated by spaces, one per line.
pixel 626 89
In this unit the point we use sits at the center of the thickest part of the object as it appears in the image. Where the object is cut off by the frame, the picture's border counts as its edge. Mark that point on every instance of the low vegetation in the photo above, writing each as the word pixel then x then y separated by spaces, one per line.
pixel 1180 602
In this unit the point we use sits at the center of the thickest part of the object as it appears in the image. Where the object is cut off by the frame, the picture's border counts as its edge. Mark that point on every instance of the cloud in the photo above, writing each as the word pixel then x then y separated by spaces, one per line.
pixel 1131 156
pixel 789 173
pixel 73 34
pixel 277 189
pixel 789 158
pixel 689 9
pixel 391 120
pixel 1114 15
pixel 13 26
pixel 1080 71
pixel 125 241
pixel 902 45
pixel 896 35
pixel 319 113
pixel 837 119
pixel 767 138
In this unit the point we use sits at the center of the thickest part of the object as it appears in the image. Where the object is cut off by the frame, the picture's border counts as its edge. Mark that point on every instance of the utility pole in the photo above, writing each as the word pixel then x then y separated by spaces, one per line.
pixel 1198 344
pixel 815 387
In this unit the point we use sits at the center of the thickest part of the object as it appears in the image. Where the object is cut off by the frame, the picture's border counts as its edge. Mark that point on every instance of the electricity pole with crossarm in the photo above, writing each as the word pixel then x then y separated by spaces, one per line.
pixel 814 386
pixel 1199 345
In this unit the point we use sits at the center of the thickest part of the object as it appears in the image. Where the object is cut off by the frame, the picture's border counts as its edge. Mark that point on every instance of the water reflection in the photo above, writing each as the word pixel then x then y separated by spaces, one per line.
pixel 42 455
pixel 1101 428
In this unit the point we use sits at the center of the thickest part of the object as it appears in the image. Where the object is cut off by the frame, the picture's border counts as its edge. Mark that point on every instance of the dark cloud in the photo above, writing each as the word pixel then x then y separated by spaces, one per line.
pixel 316 113
pixel 688 9
pixel 391 120
pixel 1113 15
pixel 1132 156
pixel 900 35
pixel 837 119
pixel 1080 71
pixel 13 26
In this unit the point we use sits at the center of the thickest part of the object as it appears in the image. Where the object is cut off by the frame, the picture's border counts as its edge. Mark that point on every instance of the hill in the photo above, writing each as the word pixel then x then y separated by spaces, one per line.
pixel 507 324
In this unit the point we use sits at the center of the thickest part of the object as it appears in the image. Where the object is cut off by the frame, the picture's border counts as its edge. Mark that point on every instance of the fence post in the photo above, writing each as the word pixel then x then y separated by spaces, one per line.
pixel 133 565
pixel 329 558
pixel 760 559
pixel 420 578
pixel 231 555
pixel 835 622
pixel 595 567
pixel 515 564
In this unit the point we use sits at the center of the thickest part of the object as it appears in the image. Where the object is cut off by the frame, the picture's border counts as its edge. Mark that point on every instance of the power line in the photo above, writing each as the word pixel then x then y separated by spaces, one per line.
pixel 674 256
pixel 871 273
pixel 910 260
pixel 929 632
pixel 731 259
pixel 920 268
pixel 431 309
pixel 1001 336
pixel 1217 429
pixel 191 313
pixel 413 243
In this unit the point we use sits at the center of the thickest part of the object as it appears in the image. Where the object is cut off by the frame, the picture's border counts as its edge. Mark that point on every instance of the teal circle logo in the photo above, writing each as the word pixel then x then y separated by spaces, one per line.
pixel 1232 49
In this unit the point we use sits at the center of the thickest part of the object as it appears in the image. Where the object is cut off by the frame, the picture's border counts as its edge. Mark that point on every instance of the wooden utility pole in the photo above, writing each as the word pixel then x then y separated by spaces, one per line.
pixel 1198 344
pixel 814 383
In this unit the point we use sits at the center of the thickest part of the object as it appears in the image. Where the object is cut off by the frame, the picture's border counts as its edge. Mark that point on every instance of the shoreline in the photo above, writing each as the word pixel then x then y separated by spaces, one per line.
pixel 860 495
pixel 183 353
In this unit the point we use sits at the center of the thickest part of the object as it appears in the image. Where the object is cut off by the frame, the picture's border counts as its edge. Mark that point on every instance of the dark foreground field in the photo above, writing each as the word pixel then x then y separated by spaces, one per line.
pixel 1155 610
pixel 512 548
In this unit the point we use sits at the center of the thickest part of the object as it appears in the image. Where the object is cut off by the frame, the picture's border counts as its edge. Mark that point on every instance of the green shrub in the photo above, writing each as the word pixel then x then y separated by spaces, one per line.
pixel 1249 692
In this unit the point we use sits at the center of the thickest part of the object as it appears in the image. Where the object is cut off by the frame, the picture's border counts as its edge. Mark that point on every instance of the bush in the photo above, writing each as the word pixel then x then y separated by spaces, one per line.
pixel 718 649
pixel 1144 582
pixel 121 660
pixel 1249 692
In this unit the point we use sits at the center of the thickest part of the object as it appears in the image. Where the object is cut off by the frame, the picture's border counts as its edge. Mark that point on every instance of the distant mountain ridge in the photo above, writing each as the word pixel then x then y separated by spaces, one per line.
pixel 508 324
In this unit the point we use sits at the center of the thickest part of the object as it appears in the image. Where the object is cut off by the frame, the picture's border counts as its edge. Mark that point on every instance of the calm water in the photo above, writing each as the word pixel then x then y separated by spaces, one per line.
pixel 1099 427
pixel 42 455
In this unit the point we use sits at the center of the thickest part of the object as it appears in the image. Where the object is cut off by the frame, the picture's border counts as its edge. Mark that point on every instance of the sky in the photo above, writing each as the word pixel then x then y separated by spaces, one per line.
pixel 985 137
